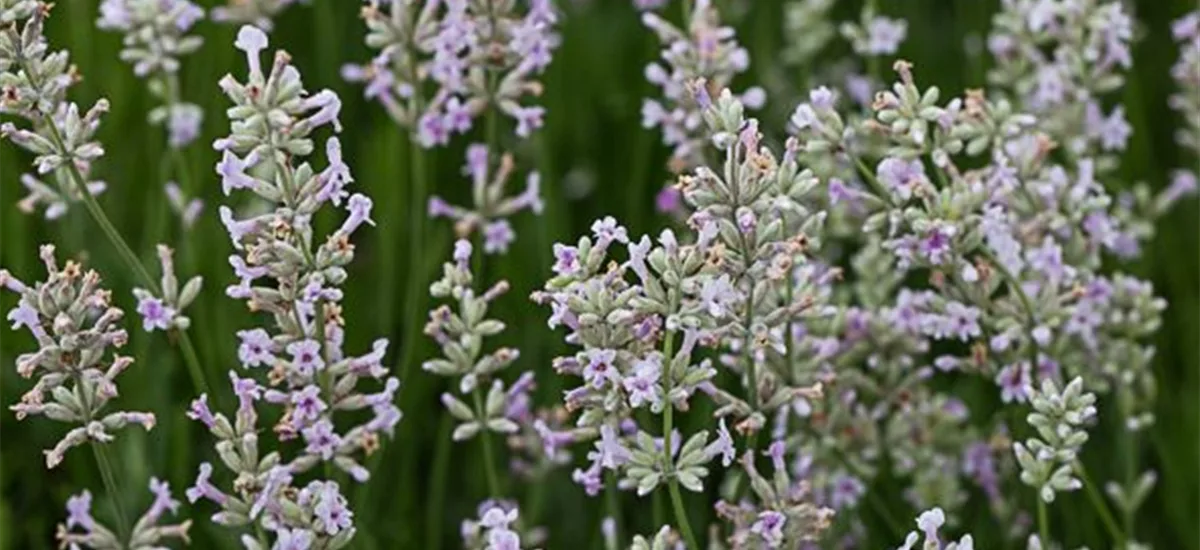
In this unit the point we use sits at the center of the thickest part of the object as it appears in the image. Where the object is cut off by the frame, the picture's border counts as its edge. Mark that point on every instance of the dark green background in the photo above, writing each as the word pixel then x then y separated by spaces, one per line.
pixel 596 160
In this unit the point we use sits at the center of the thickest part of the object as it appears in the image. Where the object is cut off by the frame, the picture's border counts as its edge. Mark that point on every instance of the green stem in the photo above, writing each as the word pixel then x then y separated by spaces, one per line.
pixel 1014 286
pixel 668 462
pixel 110 486
pixel 413 298
pixel 93 207
pixel 876 186
pixel 437 498
pixel 1043 521
pixel 127 254
pixel 612 501
pixel 489 464
pixel 1110 524
pixel 681 514
pixel 195 371
pixel 1131 466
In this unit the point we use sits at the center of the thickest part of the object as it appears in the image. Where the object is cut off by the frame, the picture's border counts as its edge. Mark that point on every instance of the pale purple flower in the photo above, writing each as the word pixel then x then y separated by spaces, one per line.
pixel 884 35
pixel 321 439
pixel 717 296
pixel 643 386
pixel 360 213
pixel 528 119
pixel 608 230
pixel 307 406
pixel 497 236
pixel 252 41
pixel 1187 27
pixel 962 321
pixel 462 253
pixel 163 502
pixel 199 411
pixel 79 511
pixel 845 491
pixel 458 116
pixel 293 539
pixel 183 124
pixel 1015 384
pixel 256 348
pixel 601 368
pixel 775 452
pixel 203 488
pixel 723 445
pixel 929 522
pixel 331 509
pixel 306 357
pixel 669 200
pixel 769 527
pixel 566 259
pixel 432 130
pixel 900 176
pixel 336 176
pixel 1112 131
pixel 155 314
pixel 610 452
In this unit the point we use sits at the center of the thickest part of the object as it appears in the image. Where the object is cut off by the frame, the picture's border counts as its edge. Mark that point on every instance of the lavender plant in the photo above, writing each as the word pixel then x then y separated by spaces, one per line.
pixel 81 530
pixel 33 86
pixel 478 54
pixel 155 38
pixel 704 50
pixel 260 13
pixel 75 325
pixel 283 271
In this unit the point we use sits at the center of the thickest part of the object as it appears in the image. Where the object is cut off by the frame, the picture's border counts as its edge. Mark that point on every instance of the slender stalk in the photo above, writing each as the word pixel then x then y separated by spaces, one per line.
pixel 127 254
pixel 668 462
pixel 681 514
pixel 1015 287
pixel 413 298
pixel 93 207
pixel 612 503
pixel 489 466
pixel 191 360
pixel 1110 524
pixel 110 486
pixel 1043 521
pixel 1130 463
pixel 437 497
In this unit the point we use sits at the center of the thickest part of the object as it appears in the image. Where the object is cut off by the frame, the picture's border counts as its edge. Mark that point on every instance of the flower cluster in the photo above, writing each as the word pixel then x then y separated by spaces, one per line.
pixel 929 522
pixel 155 38
pixel 461 334
pixel 478 55
pixel 496 529
pixel 491 210
pixel 1058 59
pixel 187 210
pixel 808 25
pixel 33 85
pixel 705 55
pixel 166 312
pixel 875 35
pixel 255 12
pixel 663 539
pixel 1013 253
pixel 81 530
pixel 1048 461
pixel 264 489
pixel 1186 101
pixel 280 273
pixel 785 516
pixel 75 325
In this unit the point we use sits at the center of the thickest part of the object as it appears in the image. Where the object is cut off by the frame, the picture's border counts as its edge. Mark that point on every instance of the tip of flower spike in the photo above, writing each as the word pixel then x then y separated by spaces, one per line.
pixel 251 39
